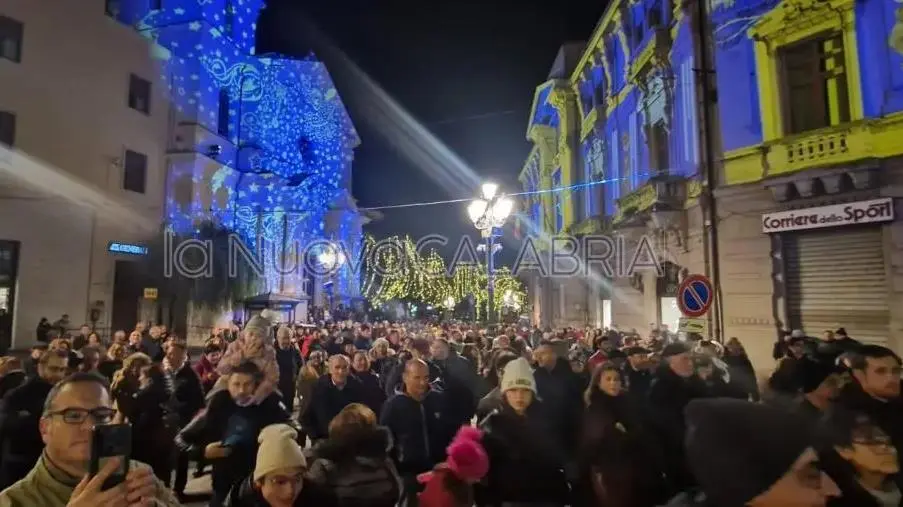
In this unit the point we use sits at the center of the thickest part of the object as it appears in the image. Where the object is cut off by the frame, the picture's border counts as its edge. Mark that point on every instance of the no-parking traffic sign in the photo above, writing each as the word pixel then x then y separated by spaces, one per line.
pixel 695 296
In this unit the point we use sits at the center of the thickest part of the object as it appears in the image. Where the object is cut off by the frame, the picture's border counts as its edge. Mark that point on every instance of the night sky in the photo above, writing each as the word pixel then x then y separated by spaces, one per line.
pixel 466 70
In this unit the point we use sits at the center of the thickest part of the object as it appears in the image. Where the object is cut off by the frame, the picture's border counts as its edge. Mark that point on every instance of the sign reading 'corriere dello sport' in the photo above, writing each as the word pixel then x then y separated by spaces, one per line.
pixel 862 212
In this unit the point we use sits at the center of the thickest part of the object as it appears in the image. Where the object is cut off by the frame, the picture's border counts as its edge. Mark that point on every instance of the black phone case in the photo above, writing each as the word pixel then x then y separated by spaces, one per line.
pixel 108 441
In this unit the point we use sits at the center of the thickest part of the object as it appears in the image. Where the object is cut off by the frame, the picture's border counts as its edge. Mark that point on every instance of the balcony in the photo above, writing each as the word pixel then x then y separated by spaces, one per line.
pixel 840 146
pixel 660 193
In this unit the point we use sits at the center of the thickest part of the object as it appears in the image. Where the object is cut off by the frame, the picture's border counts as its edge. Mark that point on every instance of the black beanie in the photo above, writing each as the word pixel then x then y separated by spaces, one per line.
pixel 737 450
pixel 810 372
pixel 674 349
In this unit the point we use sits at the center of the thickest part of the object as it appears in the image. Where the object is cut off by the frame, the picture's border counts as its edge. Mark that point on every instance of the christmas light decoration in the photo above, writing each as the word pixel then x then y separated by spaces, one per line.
pixel 394 270
pixel 267 145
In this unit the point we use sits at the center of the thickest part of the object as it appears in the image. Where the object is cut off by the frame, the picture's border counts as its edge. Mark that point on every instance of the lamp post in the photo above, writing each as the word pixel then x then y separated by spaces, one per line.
pixel 331 259
pixel 488 214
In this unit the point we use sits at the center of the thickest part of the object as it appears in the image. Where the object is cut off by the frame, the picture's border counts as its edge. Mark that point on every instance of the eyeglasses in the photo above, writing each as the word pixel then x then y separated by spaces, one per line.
pixel 80 415
pixel 282 480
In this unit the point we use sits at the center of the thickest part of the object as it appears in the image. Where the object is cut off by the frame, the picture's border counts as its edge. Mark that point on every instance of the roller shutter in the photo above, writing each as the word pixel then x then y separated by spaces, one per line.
pixel 838 279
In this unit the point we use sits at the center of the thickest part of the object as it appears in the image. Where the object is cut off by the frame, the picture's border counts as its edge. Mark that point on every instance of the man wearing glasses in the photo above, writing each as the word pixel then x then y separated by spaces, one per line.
pixel 59 478
pixel 20 439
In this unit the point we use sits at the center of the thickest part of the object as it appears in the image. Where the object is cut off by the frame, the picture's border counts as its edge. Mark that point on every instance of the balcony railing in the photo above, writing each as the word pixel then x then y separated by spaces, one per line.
pixel 660 192
pixel 821 148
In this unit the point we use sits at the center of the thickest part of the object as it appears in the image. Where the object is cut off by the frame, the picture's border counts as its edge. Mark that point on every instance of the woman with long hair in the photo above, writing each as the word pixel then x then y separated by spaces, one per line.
pixel 126 382
pixel 618 466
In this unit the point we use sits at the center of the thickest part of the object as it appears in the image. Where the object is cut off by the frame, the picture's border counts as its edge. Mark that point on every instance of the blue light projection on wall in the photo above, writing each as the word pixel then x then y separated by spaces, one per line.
pixel 278 165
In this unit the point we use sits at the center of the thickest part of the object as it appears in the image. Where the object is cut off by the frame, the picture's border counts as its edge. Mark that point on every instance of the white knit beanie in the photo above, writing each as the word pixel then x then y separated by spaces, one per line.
pixel 278 449
pixel 518 375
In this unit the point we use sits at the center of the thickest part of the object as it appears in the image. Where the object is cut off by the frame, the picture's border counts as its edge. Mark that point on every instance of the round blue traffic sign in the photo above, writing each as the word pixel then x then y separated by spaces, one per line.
pixel 695 296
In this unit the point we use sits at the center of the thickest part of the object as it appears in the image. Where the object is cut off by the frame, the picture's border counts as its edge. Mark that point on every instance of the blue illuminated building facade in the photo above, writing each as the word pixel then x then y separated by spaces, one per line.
pixel 805 123
pixel 262 144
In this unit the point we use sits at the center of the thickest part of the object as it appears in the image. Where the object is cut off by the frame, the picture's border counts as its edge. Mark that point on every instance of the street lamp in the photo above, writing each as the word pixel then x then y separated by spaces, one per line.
pixel 331 259
pixel 488 214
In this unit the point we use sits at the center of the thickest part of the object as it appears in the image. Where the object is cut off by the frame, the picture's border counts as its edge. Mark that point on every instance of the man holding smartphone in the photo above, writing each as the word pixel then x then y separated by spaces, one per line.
pixel 60 477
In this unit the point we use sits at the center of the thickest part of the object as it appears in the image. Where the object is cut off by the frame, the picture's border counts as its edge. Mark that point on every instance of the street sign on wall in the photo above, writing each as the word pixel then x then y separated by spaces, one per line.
pixel 688 325
pixel 695 296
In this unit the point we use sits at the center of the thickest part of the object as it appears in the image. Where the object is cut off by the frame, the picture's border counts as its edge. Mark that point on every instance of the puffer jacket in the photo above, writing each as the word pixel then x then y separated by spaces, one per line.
pixel 356 469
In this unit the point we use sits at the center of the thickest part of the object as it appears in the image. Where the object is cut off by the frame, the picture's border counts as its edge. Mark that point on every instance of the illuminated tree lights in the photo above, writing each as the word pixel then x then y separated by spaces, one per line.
pixel 394 270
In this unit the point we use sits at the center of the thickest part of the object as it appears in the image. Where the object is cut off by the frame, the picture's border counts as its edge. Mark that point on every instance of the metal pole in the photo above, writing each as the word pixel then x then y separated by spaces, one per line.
pixel 704 74
pixel 490 271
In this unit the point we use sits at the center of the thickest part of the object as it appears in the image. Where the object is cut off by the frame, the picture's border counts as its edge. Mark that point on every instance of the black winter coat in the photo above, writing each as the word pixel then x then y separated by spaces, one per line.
pixel 615 453
pixel 356 470
pixel 235 426
pixel 420 429
pixel 560 391
pixel 11 381
pixel 20 438
pixel 244 494
pixel 373 394
pixel 668 396
pixel 187 394
pixel 524 465
pixel 327 401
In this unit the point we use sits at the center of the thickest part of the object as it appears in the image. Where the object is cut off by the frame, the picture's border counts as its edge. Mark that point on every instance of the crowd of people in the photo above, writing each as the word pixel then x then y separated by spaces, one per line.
pixel 352 414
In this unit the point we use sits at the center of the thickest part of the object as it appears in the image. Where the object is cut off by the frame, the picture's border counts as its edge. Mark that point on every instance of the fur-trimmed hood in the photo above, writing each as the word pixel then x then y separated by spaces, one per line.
pixel 373 443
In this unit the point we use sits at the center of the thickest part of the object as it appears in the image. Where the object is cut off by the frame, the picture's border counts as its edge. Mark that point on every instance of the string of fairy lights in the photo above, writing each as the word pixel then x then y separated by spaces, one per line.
pixel 400 272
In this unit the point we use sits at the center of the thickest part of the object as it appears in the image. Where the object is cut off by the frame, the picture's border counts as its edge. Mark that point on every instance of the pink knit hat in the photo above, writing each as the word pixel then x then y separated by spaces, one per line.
pixel 467 458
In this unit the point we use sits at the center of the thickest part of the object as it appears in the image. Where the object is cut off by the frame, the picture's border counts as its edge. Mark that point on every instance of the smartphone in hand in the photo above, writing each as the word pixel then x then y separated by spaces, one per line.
pixel 111 441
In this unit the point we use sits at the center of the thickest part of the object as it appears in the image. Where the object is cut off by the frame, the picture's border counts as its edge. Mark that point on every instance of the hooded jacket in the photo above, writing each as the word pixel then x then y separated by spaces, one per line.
pixel 356 469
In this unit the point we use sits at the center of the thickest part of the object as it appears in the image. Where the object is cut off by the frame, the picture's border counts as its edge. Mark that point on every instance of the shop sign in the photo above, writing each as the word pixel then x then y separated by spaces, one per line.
pixel 126 248
pixel 862 212
pixel 150 293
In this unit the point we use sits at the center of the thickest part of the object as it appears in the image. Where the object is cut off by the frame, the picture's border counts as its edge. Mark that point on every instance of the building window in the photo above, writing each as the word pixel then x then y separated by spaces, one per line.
pixel 659 141
pixel 7 128
pixel 559 212
pixel 139 94
pixel 594 172
pixel 11 39
pixel 134 177
pixel 222 125
pixel 815 84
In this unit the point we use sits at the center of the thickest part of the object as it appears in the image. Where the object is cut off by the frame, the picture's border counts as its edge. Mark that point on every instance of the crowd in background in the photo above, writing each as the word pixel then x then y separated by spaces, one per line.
pixel 357 414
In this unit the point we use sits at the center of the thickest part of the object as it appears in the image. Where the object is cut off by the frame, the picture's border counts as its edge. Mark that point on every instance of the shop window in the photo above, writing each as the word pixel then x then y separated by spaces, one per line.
pixel 814 84
pixel 7 128
pixel 11 33
pixel 139 94
pixel 134 168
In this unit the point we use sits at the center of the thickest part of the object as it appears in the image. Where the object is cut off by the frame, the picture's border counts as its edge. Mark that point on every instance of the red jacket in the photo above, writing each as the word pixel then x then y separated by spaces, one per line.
pixel 435 493
pixel 596 359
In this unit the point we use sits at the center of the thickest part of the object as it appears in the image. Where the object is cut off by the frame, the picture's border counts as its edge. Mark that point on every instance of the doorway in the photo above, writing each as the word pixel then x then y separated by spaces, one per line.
pixel 9 271
pixel 128 289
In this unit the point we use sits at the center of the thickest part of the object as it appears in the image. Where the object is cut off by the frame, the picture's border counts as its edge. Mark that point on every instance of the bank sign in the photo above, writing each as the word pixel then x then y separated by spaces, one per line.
pixel 862 212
